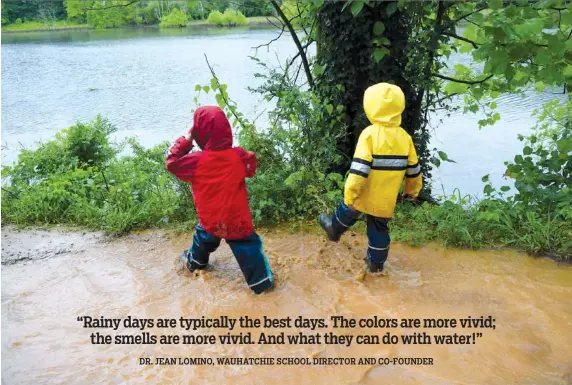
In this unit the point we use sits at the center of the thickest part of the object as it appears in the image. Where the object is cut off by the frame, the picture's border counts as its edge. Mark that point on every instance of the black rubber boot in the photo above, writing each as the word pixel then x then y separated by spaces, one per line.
pixel 185 259
pixel 326 223
pixel 373 268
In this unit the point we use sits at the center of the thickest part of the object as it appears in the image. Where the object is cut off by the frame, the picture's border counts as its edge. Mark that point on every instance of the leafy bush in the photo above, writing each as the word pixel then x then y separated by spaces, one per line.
pixel 215 18
pixel 233 17
pixel 79 179
pixel 176 18
pixel 124 12
pixel 229 18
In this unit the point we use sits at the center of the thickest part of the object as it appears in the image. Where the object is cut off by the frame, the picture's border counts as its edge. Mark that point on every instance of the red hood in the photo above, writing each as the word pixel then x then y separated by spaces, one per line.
pixel 211 129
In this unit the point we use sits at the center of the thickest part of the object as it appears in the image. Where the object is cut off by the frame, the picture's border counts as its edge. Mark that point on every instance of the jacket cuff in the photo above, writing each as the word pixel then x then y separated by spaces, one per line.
pixel 348 202
pixel 183 145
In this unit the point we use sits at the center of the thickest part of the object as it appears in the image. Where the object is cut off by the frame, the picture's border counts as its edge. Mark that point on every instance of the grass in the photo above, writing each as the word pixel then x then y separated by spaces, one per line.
pixel 30 26
pixel 252 21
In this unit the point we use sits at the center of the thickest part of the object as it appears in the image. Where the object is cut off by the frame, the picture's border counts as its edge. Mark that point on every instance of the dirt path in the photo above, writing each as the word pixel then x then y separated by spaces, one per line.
pixel 49 278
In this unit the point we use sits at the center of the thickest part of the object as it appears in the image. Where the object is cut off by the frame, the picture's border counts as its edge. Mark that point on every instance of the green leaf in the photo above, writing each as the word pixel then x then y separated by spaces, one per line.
pixel 540 86
pixel 444 157
pixel 220 100
pixel 519 75
pixel 329 108
pixel 495 4
pixel 485 178
pixel 527 150
pixel 378 28
pixel 567 71
pixel 530 27
pixel 356 7
pixel 505 188
pixel 319 69
pixel 488 189
pixel 518 159
pixel 206 89
pixel 456 88
pixel 567 17
pixel 391 8
pixel 380 53
pixel 198 87
pixel 214 83
pixel 498 61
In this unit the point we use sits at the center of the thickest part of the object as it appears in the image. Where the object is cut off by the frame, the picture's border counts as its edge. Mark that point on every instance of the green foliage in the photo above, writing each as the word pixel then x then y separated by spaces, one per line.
pixel 229 18
pixel 176 18
pixel 117 14
pixel 216 18
pixel 543 173
pixel 20 11
pixel 79 179
pixel 40 25
pixel 539 213
pixel 76 9
pixel 489 223
pixel 516 45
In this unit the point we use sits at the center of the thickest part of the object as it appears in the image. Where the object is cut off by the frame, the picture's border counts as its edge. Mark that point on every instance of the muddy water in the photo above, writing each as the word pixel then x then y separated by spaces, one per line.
pixel 87 274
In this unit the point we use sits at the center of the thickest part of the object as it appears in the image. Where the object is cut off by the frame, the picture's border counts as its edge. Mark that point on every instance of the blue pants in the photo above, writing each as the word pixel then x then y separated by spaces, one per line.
pixel 247 251
pixel 377 233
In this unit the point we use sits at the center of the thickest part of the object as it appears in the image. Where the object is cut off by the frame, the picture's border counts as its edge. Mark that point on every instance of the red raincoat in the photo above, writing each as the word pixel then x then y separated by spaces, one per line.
pixel 216 174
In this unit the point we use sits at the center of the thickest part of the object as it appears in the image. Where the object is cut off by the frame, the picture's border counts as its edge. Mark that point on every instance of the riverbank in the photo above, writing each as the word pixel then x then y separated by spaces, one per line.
pixel 60 275
pixel 62 25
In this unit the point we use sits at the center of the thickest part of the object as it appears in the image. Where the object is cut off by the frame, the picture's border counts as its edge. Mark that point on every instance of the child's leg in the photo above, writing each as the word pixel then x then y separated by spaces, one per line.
pixel 336 225
pixel 203 244
pixel 378 237
pixel 253 263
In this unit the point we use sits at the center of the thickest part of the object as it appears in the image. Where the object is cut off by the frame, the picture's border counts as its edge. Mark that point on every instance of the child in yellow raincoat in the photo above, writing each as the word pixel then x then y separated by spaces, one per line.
pixel 384 161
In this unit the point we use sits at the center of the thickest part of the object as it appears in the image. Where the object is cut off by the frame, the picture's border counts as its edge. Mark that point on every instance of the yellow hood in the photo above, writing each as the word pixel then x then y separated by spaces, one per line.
pixel 383 104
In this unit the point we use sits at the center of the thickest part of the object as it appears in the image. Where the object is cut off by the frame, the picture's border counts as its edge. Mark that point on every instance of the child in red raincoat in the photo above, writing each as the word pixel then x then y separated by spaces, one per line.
pixel 217 177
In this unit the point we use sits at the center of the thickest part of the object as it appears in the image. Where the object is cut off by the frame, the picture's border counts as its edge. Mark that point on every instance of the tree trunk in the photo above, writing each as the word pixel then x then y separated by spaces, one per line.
pixel 346 44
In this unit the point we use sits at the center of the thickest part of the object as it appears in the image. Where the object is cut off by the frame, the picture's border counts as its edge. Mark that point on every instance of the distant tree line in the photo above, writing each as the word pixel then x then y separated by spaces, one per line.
pixel 116 13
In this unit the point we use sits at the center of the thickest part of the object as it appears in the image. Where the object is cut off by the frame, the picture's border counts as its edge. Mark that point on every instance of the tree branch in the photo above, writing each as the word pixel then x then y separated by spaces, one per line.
pixel 454 35
pixel 469 14
pixel 111 6
pixel 439 101
pixel 227 102
pixel 296 41
pixel 298 54
pixel 470 82
pixel 272 23
pixel 273 40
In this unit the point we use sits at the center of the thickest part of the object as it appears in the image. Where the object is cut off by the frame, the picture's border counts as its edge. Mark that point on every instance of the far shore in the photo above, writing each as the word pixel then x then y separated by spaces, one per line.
pixel 258 21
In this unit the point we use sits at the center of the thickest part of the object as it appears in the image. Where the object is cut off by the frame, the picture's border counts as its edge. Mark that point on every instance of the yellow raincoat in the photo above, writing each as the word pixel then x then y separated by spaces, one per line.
pixel 384 156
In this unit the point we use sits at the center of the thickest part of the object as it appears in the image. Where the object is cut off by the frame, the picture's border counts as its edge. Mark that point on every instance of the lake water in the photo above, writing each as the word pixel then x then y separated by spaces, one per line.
pixel 143 80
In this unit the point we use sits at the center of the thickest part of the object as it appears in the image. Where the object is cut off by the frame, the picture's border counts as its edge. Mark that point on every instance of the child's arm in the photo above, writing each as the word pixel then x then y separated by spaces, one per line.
pixel 179 162
pixel 413 179
pixel 359 171
pixel 249 162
